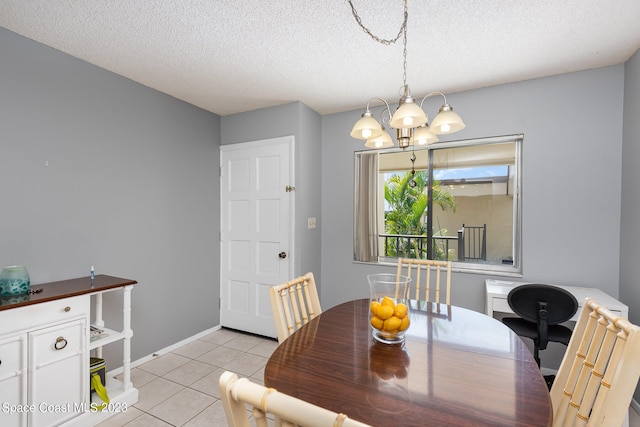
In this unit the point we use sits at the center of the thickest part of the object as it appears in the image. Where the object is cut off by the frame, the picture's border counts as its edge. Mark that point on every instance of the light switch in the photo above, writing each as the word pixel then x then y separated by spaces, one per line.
pixel 311 223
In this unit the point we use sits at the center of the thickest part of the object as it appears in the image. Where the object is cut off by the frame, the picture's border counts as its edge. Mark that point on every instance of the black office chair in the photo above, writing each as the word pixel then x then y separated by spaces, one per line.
pixel 541 309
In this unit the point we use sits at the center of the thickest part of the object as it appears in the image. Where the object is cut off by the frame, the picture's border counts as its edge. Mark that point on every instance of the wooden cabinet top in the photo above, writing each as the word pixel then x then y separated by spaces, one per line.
pixel 64 289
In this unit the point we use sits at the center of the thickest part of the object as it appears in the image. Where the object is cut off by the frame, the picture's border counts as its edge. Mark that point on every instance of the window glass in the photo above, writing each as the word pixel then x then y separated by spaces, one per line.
pixel 458 201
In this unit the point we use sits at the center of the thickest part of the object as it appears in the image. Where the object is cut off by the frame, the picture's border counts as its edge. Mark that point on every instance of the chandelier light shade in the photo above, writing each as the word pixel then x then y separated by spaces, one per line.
pixel 381 141
pixel 367 127
pixel 447 121
pixel 423 135
pixel 408 115
pixel 409 120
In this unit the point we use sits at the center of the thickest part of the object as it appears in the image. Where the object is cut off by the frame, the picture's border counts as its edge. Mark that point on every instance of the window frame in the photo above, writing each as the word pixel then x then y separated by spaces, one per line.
pixel 515 269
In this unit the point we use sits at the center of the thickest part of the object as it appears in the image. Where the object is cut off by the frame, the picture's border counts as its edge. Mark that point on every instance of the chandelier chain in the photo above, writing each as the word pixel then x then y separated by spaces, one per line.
pixel 403 27
pixel 404 52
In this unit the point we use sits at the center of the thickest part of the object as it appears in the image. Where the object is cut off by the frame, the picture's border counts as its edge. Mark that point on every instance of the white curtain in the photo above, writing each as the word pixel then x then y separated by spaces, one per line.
pixel 366 208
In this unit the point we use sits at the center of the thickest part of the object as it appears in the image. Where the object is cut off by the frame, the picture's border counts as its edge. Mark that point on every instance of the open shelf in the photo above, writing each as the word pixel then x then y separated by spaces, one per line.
pixel 108 336
pixel 122 395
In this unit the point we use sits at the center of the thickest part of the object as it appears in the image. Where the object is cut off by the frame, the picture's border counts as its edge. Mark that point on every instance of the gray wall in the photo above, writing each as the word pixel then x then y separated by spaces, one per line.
pixel 304 124
pixel 572 126
pixel 629 224
pixel 131 187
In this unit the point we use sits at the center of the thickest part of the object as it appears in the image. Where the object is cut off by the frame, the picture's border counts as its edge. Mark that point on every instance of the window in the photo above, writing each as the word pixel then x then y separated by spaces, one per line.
pixel 457 201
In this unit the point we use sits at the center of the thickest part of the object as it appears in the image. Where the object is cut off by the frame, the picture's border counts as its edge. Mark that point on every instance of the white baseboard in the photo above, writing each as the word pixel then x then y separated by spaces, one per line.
pixel 165 350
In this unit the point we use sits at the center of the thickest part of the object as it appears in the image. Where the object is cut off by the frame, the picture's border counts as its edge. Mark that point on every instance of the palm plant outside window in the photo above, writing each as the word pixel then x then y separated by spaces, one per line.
pixel 405 219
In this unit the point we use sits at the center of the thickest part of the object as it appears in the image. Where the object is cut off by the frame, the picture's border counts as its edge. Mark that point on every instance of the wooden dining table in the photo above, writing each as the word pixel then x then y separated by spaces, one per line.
pixel 457 367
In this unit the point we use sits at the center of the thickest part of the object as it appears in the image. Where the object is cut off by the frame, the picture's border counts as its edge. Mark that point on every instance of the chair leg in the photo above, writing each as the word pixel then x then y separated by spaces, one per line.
pixel 549 380
pixel 536 353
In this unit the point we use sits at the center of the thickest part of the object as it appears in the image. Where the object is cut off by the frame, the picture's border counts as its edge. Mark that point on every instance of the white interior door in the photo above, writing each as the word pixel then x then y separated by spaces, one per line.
pixel 256 227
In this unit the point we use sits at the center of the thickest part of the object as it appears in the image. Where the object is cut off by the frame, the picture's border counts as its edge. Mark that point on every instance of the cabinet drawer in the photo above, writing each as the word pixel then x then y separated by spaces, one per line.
pixel 56 343
pixel 45 313
pixel 11 357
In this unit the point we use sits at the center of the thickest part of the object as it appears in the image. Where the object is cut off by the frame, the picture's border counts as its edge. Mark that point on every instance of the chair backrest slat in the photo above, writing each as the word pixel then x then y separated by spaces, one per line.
pixel 294 304
pixel 599 372
pixel 433 281
pixel 295 307
pixel 285 410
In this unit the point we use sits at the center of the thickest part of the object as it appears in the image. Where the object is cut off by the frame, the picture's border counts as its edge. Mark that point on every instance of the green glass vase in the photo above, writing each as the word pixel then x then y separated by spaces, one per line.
pixel 14 280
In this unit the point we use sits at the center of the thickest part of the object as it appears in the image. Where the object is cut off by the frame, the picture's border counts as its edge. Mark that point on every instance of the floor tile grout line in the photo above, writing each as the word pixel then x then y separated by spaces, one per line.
pixel 234 335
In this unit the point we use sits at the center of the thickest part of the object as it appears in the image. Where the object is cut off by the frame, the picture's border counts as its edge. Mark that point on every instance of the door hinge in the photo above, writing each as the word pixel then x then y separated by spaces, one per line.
pixel 289 188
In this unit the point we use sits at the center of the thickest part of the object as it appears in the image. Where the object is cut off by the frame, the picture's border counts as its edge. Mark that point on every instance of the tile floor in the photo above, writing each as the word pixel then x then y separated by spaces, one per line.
pixel 180 388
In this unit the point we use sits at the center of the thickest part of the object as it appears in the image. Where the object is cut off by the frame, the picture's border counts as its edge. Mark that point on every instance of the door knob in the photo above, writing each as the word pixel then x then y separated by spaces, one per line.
pixel 282 255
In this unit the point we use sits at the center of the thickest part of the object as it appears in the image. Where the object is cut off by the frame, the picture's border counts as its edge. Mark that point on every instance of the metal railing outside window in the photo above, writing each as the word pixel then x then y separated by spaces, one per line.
pixel 415 246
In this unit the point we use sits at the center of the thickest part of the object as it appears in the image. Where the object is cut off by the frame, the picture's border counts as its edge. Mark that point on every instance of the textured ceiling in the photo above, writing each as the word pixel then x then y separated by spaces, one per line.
pixel 230 56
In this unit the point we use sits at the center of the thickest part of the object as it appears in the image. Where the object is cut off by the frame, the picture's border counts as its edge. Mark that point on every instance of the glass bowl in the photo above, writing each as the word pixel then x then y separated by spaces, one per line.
pixel 389 307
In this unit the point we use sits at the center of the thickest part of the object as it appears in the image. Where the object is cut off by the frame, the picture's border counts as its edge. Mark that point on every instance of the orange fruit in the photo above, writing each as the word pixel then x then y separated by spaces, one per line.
pixel 374 307
pixel 384 312
pixel 388 302
pixel 377 322
pixel 401 310
pixel 392 324
pixel 404 323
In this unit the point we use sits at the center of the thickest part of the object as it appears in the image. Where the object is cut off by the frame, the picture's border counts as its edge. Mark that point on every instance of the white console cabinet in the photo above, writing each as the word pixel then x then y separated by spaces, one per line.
pixel 44 354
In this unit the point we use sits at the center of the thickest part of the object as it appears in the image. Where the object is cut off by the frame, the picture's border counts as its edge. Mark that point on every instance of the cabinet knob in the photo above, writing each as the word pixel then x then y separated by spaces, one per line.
pixel 60 343
pixel 67 309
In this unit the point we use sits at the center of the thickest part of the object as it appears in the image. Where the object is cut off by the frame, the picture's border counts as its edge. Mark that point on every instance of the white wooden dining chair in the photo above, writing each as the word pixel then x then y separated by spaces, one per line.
pixel 599 372
pixel 285 410
pixel 427 278
pixel 294 304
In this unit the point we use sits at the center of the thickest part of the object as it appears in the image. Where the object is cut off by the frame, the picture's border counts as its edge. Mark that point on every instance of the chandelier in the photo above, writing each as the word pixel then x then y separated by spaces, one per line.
pixel 409 120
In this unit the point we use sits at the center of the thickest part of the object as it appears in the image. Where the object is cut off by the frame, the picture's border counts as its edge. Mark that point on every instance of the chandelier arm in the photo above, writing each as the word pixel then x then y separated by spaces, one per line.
pixel 387 109
pixel 432 94
pixel 373 36
pixel 382 117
